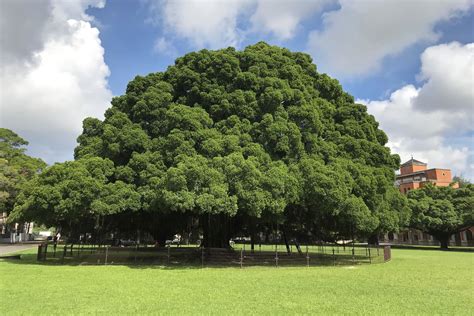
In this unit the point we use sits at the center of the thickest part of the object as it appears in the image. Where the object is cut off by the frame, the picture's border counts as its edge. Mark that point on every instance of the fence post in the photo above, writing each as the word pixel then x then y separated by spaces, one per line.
pixel 135 254
pixel 307 256
pixel 387 253
pixel 333 257
pixel 370 258
pixel 241 257
pixel 202 257
pixel 45 251
pixel 106 254
pixel 353 257
pixel 276 258
pixel 40 252
pixel 168 254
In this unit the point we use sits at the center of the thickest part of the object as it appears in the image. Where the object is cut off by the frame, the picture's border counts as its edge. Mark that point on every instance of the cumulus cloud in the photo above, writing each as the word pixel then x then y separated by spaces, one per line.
pixel 358 36
pixel 19 40
pixel 449 72
pixel 63 10
pixel 433 122
pixel 218 23
pixel 50 87
pixel 282 17
pixel 210 23
pixel 164 46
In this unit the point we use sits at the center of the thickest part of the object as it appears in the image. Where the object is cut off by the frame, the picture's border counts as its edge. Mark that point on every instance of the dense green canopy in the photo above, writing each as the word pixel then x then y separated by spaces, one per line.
pixel 243 140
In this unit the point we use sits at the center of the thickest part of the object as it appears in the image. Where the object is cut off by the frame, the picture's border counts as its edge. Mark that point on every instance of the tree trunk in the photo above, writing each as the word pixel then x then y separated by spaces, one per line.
pixel 215 231
pixel 206 223
pixel 443 239
pixel 373 239
pixel 160 237
pixel 252 235
pixel 288 250
pixel 444 242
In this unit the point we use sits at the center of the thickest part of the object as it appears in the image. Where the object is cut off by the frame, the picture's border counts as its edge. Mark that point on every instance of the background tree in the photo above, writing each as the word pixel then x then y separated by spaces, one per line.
pixel 15 169
pixel 462 181
pixel 442 211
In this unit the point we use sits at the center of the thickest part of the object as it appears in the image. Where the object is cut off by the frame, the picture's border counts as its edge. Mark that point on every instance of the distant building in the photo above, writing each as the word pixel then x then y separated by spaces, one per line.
pixel 414 174
pixel 3 223
pixel 14 232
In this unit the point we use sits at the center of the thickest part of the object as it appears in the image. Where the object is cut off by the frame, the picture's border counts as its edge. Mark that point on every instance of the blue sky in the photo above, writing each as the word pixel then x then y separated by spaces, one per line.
pixel 129 39
pixel 410 62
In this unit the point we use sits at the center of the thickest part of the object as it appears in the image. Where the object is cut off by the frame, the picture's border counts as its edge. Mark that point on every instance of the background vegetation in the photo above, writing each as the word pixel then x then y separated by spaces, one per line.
pixel 16 168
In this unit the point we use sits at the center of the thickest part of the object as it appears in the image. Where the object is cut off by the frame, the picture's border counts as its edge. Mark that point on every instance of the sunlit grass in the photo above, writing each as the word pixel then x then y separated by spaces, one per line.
pixel 414 282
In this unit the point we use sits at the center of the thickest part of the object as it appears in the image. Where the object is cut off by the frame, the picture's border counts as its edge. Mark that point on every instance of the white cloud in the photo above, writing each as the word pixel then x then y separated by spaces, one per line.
pixel 64 10
pixel 431 122
pixel 449 72
pixel 215 23
pixel 19 40
pixel 53 85
pixel 210 23
pixel 282 17
pixel 357 37
pixel 164 46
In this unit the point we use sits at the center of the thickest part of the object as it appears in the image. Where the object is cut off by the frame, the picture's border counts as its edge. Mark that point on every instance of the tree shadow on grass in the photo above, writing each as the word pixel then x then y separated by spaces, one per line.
pixel 188 261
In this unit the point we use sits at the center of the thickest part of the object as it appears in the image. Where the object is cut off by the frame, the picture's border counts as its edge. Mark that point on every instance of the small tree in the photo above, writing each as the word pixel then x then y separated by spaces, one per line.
pixel 462 181
pixel 442 211
pixel 15 168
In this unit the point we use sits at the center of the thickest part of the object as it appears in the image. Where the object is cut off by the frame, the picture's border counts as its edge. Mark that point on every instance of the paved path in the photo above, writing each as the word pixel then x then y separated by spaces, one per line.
pixel 8 248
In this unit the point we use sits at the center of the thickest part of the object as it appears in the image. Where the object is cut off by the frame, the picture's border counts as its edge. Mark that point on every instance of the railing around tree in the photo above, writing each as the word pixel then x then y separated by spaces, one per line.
pixel 277 255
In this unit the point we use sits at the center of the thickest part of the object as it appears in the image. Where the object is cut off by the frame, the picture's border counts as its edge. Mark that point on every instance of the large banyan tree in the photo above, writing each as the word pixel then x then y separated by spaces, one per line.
pixel 225 143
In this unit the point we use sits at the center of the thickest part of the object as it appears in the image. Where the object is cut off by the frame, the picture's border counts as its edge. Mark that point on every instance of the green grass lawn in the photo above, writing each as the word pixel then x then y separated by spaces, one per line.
pixel 415 282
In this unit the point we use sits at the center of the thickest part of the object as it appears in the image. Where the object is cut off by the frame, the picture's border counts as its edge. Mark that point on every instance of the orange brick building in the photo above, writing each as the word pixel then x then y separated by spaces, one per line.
pixel 414 174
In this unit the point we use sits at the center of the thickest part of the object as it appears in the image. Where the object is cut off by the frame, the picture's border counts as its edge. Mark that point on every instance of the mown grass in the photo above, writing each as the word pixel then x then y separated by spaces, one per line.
pixel 415 282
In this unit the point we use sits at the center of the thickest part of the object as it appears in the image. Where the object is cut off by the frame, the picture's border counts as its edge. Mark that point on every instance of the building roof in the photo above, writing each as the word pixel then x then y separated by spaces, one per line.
pixel 411 174
pixel 413 162
pixel 419 172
